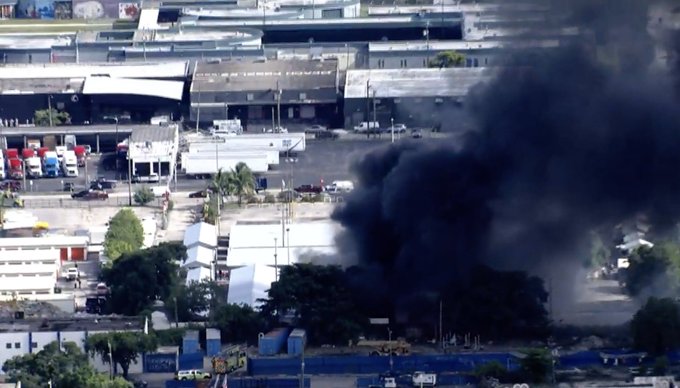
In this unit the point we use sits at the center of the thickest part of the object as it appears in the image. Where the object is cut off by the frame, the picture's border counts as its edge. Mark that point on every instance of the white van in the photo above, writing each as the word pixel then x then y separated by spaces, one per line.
pixel 159 191
pixel 365 126
pixel 340 187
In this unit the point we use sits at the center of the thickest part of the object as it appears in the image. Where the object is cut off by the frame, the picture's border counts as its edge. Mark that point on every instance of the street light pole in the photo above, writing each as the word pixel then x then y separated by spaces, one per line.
pixel 116 118
pixel 276 262
pixel 389 333
pixel 129 178
pixel 288 243
pixel 392 122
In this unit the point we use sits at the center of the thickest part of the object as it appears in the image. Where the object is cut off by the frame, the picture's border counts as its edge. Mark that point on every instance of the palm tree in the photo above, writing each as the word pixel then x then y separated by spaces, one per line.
pixel 242 181
pixel 221 183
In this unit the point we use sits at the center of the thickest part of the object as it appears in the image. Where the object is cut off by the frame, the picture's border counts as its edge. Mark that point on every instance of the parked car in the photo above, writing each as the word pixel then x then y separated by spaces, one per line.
pixel 192 374
pixel 200 194
pixel 399 128
pixel 151 178
pixel 71 273
pixel 69 186
pixel 309 189
pixel 91 194
pixel 316 128
pixel 102 289
pixel 416 134
pixel 103 183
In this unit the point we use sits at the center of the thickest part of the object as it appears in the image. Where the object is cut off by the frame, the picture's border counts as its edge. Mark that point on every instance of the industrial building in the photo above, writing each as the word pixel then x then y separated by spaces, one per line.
pixel 258 93
pixel 92 93
pixel 415 97
pixel 153 150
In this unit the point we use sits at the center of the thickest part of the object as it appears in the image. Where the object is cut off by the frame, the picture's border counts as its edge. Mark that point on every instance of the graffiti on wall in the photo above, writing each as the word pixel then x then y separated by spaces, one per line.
pixel 35 9
pixel 62 10
pixel 105 9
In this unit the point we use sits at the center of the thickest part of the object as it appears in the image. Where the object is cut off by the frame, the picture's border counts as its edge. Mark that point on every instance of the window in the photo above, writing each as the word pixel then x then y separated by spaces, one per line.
pixel 34 345
pixel 486 61
pixel 250 97
pixel 17 345
pixel 424 63
pixel 8 345
pixel 303 96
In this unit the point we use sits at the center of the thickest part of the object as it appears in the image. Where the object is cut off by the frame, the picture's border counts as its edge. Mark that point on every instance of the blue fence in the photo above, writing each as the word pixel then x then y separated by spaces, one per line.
pixel 160 363
pixel 190 361
pixel 371 365
pixel 180 384
pixel 442 379
pixel 267 383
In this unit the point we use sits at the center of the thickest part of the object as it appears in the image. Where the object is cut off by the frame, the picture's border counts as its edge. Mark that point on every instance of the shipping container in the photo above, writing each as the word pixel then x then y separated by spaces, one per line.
pixel 271 343
pixel 190 342
pixel 190 361
pixel 297 342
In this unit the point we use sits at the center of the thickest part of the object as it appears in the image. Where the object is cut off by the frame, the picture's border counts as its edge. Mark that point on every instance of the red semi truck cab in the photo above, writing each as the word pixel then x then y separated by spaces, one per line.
pixel 81 155
pixel 27 153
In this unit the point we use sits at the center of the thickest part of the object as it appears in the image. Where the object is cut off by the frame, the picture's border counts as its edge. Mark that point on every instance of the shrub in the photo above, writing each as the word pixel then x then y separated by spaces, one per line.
pixel 143 196
pixel 268 198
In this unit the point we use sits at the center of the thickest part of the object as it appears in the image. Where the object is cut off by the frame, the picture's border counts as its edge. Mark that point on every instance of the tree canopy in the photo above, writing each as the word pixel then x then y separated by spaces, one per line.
pixel 194 299
pixel 122 347
pixel 448 59
pixel 653 271
pixel 656 326
pixel 125 234
pixel 65 368
pixel 239 323
pixel 320 300
pixel 240 181
pixel 42 117
pixel 139 278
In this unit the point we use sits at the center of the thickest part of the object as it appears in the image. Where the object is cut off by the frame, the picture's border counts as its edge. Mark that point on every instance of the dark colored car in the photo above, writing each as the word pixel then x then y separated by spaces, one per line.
pixel 69 186
pixel 80 194
pixel 103 183
pixel 309 189
pixel 200 194
pixel 416 134
pixel 91 195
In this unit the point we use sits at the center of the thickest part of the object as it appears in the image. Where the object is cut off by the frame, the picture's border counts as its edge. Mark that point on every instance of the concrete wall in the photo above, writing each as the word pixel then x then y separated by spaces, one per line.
pixel 420 58
pixel 414 112
pixel 13 344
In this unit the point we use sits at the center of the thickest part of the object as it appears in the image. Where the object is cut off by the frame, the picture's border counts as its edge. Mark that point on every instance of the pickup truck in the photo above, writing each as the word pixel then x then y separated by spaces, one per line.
pixel 422 379
pixel 370 126
pixel 309 189
pixel 151 178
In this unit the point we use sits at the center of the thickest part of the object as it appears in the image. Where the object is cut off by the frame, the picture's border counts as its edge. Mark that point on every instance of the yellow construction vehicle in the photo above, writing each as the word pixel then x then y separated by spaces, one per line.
pixel 384 348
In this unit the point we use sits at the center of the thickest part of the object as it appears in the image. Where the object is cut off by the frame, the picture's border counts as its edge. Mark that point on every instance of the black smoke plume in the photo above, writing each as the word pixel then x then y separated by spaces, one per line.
pixel 566 141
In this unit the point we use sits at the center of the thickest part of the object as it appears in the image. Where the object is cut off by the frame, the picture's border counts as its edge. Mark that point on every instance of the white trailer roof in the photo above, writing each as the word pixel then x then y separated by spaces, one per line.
pixel 198 274
pixel 176 70
pixel 208 164
pixel 201 233
pixel 199 256
pixel 171 90
pixel 253 243
pixel 248 284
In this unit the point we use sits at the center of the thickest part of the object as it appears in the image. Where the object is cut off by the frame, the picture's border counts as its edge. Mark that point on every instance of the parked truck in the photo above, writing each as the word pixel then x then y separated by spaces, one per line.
pixel 422 379
pixel 33 167
pixel 42 151
pixel 27 153
pixel 3 174
pixel 69 164
pixel 51 164
pixel 15 169
pixel 11 153
pixel 81 154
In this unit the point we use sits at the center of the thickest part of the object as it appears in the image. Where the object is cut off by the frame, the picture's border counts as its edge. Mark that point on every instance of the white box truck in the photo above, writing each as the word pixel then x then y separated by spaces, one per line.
pixel 69 164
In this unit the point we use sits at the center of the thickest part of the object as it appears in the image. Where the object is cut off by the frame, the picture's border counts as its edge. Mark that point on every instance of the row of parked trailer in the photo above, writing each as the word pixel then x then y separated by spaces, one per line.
pixel 42 162
pixel 207 155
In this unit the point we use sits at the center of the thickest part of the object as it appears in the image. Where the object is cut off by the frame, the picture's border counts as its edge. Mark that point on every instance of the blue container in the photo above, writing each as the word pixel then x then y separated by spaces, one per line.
pixel 190 342
pixel 271 343
pixel 212 347
pixel 160 363
pixel 190 361
pixel 297 340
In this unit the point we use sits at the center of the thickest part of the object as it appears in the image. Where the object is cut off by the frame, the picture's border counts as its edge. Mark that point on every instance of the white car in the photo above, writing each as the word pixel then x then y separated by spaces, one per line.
pixel 399 128
pixel 71 273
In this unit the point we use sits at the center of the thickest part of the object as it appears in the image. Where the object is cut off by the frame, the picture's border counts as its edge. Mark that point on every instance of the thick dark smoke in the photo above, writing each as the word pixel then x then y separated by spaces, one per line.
pixel 567 141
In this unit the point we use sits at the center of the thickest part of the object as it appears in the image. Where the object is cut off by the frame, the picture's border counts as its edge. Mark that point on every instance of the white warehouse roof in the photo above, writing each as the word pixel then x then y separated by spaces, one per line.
pixel 201 233
pixel 28 243
pixel 172 90
pixel 248 284
pixel 142 70
pixel 199 256
pixel 253 242
pixel 392 83
pixel 198 274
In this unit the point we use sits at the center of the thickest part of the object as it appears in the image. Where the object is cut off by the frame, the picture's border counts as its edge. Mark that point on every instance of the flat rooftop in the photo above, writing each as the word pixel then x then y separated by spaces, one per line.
pixel 392 83
pixel 41 85
pixel 153 134
pixel 382 47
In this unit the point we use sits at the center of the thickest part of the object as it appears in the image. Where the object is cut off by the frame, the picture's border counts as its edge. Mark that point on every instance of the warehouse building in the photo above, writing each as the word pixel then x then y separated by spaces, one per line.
pixel 153 150
pixel 257 92
pixel 91 93
pixel 415 97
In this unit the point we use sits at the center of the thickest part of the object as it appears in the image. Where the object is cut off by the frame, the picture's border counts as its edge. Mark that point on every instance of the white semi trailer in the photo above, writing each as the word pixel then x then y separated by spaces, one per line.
pixel 199 165
pixel 231 151
pixel 282 142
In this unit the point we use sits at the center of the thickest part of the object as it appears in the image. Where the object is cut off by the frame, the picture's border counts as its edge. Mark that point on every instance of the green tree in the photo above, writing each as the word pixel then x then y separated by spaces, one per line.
pixel 209 211
pixel 321 301
pixel 222 183
pixel 138 279
pixel 42 117
pixel 535 365
pixel 599 253
pixel 448 59
pixel 242 181
pixel 656 326
pixel 121 347
pixel 195 298
pixel 238 323
pixel 125 234
pixel 65 368
pixel 653 271
pixel 143 195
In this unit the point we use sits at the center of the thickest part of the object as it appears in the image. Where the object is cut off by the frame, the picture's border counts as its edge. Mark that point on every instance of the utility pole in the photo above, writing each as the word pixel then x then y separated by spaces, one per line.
pixel 276 262
pixel 49 108
pixel 288 243
pixel 129 179
pixel 368 100
pixel 374 112
pixel 226 111
pixel 441 323
pixel 392 123
pixel 198 105
pixel 278 106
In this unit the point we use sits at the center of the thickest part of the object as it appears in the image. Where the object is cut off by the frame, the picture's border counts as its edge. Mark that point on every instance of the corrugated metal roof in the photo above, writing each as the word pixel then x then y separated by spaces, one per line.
pixel 51 70
pixel 41 85
pixel 151 134
pixel 250 283
pixel 389 83
pixel 200 233
pixel 172 90
pixel 263 76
